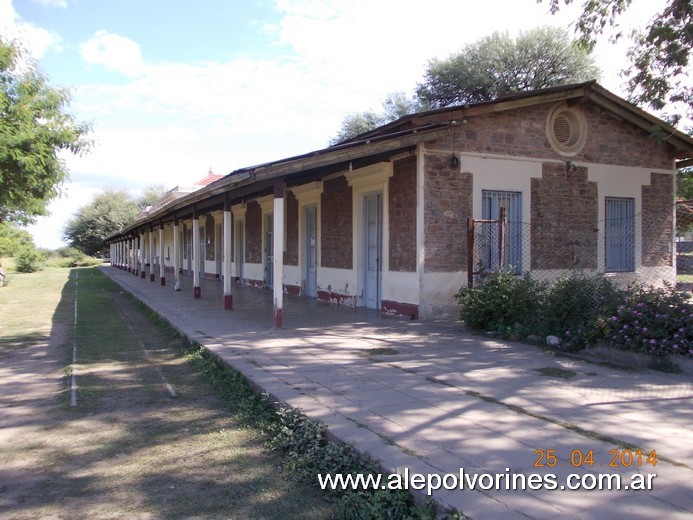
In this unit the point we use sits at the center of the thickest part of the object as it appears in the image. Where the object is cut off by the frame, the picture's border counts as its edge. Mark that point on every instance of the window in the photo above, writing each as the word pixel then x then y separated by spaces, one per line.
pixel 492 202
pixel 619 235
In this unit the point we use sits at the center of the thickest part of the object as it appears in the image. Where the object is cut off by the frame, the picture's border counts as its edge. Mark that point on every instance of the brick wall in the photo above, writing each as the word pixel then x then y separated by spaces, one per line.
pixel 522 132
pixel 657 220
pixel 209 238
pixel 291 253
pixel 336 233
pixel 402 215
pixel 564 219
pixel 253 233
pixel 448 204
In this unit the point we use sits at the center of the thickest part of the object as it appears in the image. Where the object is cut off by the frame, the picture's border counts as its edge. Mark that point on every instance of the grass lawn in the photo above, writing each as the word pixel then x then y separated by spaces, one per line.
pixel 129 449
pixel 685 277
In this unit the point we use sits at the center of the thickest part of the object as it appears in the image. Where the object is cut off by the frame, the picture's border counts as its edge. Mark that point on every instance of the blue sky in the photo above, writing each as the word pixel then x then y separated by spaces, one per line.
pixel 174 88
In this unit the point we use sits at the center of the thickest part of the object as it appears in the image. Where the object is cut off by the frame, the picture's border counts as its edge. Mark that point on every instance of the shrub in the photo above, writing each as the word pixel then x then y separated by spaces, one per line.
pixel 29 260
pixel 653 321
pixel 71 257
pixel 70 252
pixel 573 306
pixel 504 302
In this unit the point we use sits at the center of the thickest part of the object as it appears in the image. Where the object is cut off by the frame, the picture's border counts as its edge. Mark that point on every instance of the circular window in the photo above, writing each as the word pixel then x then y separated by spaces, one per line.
pixel 566 130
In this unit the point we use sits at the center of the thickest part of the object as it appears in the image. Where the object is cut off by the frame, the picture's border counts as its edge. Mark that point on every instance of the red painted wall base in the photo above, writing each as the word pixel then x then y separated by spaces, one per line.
pixel 228 302
pixel 400 309
pixel 163 280
pixel 197 292
pixel 151 277
pixel 278 317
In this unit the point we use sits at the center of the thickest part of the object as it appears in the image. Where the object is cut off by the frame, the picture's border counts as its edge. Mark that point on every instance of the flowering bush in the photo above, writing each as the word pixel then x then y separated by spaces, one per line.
pixel 653 321
pixel 582 310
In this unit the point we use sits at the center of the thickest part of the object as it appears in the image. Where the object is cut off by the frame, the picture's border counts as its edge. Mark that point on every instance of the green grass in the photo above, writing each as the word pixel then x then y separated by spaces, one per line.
pixel 28 306
pixel 685 277
pixel 129 449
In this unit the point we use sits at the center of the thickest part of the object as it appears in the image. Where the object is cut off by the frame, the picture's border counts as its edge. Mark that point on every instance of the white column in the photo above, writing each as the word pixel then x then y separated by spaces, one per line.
pixel 197 293
pixel 228 298
pixel 176 256
pixel 142 255
pixel 278 264
pixel 162 267
pixel 133 255
pixel 151 255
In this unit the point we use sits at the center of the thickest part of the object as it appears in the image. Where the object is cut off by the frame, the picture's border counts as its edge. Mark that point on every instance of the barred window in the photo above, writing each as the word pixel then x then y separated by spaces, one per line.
pixel 619 235
pixel 492 202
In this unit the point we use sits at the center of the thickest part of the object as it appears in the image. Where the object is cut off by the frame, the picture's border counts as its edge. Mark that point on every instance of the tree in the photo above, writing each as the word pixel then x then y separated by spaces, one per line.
pixel 13 239
pixel 660 56
pixel 108 213
pixel 355 124
pixel 497 65
pixel 150 195
pixel 395 105
pixel 684 183
pixel 34 128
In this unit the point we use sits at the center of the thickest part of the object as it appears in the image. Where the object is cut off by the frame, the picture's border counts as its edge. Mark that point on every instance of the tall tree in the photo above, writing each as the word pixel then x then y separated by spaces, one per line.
pixel 498 64
pixel 150 195
pixel 108 213
pixel 34 128
pixel 660 71
pixel 395 105
pixel 12 239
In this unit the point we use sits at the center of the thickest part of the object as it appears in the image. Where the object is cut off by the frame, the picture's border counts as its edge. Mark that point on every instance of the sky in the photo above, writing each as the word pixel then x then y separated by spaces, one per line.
pixel 174 88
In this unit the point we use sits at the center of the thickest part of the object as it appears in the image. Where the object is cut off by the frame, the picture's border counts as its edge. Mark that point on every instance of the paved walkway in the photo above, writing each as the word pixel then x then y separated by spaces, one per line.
pixel 429 397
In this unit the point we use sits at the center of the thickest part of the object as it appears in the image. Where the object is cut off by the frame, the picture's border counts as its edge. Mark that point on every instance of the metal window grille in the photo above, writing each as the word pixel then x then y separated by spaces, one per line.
pixel 619 234
pixel 492 202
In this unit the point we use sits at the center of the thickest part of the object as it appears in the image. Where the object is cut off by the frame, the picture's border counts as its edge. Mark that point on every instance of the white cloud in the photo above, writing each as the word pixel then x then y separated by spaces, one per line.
pixel 47 231
pixel 114 52
pixel 169 122
pixel 60 4
pixel 36 40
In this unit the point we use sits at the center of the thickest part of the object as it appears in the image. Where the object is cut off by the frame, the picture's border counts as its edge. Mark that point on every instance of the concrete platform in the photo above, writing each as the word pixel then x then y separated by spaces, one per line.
pixel 430 397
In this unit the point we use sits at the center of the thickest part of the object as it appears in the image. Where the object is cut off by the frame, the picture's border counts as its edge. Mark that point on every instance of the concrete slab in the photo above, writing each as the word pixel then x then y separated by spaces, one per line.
pixel 441 400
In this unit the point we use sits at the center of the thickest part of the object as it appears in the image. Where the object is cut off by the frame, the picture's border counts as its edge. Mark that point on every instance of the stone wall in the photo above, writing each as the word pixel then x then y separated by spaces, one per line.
pixel 402 215
pixel 336 232
pixel 658 220
pixel 448 204
pixel 564 219
pixel 522 132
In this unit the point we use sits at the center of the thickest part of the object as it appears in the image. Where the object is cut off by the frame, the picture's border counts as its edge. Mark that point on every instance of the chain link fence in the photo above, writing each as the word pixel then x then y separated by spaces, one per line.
pixel 624 247
pixel 684 244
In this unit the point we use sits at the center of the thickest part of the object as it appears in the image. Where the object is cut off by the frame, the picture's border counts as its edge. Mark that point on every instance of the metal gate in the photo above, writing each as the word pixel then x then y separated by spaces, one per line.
pixel 488 246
